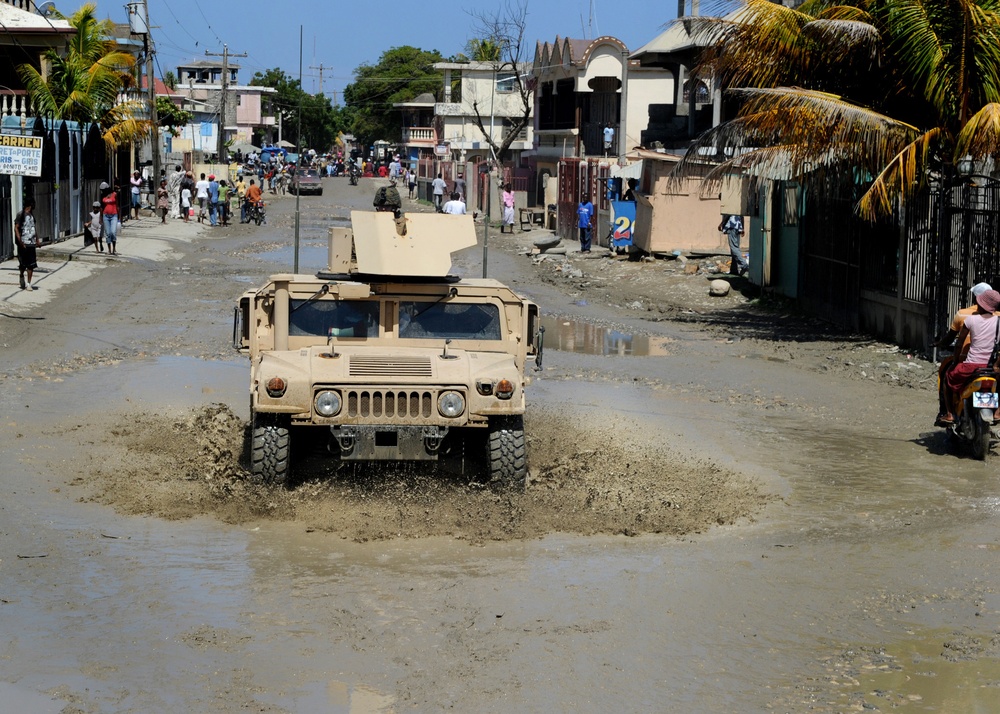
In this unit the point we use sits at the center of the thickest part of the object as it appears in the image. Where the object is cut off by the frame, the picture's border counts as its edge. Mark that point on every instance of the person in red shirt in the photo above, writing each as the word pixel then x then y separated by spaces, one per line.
pixel 109 214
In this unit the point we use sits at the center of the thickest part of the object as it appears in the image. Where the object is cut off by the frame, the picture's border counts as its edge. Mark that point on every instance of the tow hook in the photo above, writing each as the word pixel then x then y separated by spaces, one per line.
pixel 433 438
pixel 345 440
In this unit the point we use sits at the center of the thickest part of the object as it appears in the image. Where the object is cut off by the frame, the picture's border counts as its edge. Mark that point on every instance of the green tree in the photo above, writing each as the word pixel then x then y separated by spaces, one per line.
pixel 896 90
pixel 399 76
pixel 321 122
pixel 170 116
pixel 85 84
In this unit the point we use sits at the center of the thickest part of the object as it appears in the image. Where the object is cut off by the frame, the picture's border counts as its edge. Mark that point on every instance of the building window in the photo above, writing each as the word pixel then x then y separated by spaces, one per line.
pixel 505 82
pixel 701 92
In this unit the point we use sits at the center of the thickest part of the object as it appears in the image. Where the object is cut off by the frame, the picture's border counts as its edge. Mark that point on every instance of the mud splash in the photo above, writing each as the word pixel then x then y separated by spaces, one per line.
pixel 190 465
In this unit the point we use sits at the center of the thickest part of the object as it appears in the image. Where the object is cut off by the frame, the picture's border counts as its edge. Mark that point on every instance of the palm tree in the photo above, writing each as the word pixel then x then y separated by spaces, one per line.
pixel 86 84
pixel 897 90
pixel 487 49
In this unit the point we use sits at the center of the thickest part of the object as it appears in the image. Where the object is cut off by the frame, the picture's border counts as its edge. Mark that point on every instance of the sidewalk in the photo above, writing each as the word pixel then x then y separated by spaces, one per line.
pixel 64 263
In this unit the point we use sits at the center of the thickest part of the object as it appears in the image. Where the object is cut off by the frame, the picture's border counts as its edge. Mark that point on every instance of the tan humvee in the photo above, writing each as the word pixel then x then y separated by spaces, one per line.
pixel 387 352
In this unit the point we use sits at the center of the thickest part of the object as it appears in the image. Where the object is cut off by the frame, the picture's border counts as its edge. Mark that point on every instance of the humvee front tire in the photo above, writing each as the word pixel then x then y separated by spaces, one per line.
pixel 507 453
pixel 269 450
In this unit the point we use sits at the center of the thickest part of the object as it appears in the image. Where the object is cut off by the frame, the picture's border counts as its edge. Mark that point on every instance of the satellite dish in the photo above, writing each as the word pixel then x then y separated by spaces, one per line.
pixel 46 8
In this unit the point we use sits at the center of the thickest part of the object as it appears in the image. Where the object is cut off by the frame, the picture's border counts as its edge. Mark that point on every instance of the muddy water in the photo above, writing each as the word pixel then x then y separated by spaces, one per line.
pixel 570 335
pixel 313 244
pixel 137 614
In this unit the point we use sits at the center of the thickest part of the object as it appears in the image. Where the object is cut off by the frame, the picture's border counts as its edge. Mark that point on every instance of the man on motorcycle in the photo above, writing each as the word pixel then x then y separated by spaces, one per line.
pixel 982 329
pixel 960 348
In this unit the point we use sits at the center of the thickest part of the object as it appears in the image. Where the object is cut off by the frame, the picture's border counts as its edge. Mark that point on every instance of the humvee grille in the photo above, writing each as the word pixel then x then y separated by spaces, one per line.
pixel 367 403
pixel 388 366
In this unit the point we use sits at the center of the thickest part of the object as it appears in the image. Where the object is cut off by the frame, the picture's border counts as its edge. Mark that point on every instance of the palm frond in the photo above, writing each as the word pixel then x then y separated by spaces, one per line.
pixel 901 177
pixel 980 137
pixel 857 38
pixel 761 45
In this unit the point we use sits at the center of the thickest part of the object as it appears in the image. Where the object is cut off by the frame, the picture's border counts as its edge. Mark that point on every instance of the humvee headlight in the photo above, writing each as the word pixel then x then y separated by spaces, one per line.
pixel 276 387
pixel 451 404
pixel 327 403
pixel 505 389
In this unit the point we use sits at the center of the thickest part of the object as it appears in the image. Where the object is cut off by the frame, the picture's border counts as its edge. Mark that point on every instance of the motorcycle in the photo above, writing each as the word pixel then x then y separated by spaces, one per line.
pixel 974 409
pixel 256 213
pixel 354 177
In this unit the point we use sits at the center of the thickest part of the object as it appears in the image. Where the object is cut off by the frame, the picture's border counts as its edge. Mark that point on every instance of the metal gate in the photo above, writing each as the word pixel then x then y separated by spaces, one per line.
pixel 967 218
pixel 6 220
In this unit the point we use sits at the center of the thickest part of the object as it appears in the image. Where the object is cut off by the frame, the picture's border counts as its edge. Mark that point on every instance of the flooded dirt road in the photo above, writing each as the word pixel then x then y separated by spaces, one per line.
pixel 714 524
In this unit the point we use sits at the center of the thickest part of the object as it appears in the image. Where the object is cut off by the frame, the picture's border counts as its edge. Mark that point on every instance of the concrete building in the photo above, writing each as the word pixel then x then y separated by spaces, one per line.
pixel 480 86
pixel 199 84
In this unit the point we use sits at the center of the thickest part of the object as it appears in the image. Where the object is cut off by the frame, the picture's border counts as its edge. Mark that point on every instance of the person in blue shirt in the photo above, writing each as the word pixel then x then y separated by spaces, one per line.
pixel 585 214
pixel 213 200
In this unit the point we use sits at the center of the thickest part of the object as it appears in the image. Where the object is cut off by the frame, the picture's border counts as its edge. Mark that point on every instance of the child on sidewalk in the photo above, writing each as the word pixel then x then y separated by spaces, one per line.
pixel 94 227
pixel 186 203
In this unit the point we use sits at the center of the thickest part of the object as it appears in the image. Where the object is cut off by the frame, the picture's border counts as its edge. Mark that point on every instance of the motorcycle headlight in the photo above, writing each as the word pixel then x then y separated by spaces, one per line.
pixel 327 403
pixel 451 404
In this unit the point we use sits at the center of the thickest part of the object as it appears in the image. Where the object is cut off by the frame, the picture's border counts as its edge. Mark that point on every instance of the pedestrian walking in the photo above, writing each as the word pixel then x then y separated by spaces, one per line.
pixel 163 200
pixel 460 186
pixel 213 201
pixel 26 238
pixel 241 192
pixel 94 227
pixel 224 194
pixel 174 186
pixel 585 217
pixel 507 197
pixel 186 203
pixel 439 186
pixel 201 193
pixel 411 181
pixel 455 206
pixel 136 197
pixel 109 214
pixel 732 226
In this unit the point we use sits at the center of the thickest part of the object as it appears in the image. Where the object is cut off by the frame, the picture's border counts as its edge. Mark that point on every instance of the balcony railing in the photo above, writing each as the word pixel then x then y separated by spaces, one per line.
pixel 417 135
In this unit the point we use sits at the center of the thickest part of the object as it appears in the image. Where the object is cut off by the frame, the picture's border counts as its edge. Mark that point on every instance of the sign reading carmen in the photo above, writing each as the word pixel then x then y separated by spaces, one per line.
pixel 20 155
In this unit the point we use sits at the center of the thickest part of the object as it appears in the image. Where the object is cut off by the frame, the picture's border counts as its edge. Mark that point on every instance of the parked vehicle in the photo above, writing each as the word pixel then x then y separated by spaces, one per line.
pixel 389 358
pixel 974 410
pixel 307 181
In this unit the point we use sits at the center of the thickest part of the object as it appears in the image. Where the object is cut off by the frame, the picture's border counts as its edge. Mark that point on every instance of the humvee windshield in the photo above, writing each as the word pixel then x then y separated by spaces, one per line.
pixel 340 318
pixel 457 321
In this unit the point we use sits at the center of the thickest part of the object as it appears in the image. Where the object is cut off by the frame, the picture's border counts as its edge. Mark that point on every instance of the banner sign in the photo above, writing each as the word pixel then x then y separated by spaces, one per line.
pixel 20 155
pixel 624 223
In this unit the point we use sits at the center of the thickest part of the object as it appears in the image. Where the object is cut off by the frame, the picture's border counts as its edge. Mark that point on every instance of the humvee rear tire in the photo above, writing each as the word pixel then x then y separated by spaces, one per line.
pixel 269 450
pixel 508 453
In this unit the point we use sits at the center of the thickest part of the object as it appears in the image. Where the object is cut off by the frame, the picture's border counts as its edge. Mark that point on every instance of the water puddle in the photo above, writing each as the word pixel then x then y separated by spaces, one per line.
pixel 844 478
pixel 940 671
pixel 313 244
pixel 567 335
pixel 313 256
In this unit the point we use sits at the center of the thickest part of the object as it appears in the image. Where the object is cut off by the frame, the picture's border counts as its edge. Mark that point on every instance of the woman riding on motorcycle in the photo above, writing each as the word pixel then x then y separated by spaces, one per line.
pixel 982 330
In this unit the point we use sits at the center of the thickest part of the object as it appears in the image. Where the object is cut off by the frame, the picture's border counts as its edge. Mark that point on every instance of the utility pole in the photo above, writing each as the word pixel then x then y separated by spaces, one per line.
pixel 320 68
pixel 221 148
pixel 147 42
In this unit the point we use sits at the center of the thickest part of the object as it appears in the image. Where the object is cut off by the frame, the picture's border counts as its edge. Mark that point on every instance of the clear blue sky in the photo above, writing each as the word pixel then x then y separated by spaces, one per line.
pixel 341 34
